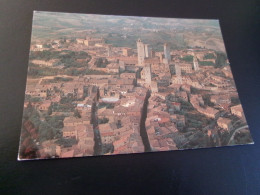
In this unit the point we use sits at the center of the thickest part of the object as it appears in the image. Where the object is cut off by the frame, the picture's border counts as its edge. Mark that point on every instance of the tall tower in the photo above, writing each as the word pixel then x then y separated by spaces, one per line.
pixel 109 51
pixel 195 63
pixel 167 54
pixel 140 52
pixel 147 51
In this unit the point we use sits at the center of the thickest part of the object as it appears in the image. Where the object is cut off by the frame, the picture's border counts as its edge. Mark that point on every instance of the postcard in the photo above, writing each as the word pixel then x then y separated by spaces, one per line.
pixel 106 85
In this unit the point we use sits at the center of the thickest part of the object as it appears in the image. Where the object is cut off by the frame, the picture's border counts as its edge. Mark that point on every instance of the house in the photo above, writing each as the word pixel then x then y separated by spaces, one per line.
pixel 237 110
pixel 80 41
pixel 225 123
pixel 208 111
pixel 72 121
pixel 220 99
pixel 128 75
pixel 69 132
pixel 120 110
pixel 67 153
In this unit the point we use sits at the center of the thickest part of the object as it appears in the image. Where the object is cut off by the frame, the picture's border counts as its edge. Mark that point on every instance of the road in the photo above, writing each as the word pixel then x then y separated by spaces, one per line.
pixel 235 131
pixel 52 77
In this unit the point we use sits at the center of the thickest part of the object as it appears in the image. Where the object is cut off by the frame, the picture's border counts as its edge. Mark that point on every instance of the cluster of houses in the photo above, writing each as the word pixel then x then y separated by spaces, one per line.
pixel 159 124
pixel 120 96
pixel 198 103
pixel 123 126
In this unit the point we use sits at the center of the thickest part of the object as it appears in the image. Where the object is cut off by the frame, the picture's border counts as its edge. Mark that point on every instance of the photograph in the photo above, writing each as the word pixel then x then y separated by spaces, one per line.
pixel 106 85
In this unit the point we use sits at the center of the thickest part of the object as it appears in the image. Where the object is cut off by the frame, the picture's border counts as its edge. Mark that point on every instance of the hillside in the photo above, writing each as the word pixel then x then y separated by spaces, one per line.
pixel 180 33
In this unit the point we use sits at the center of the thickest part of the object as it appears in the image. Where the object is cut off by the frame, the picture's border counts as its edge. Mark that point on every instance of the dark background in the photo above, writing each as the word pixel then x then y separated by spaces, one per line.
pixel 226 170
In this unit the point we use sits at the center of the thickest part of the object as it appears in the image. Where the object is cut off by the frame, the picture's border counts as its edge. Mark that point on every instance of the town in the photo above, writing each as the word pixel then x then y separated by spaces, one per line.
pixel 86 97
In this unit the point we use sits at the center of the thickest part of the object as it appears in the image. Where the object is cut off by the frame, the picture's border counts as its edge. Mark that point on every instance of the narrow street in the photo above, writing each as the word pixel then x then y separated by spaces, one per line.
pixel 97 138
pixel 143 132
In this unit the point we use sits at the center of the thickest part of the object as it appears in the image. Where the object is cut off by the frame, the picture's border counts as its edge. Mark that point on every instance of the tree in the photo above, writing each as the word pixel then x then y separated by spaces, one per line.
pixel 46 132
pixel 209 56
pixel 77 114
pixel 206 63
pixel 49 110
pixel 119 124
pixel 103 121
pixel 188 58
pixel 101 63
pixel 221 59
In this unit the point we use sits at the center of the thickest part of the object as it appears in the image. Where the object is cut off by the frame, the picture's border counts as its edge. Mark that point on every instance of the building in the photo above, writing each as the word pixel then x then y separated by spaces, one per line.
pixel 80 41
pixel 93 41
pixel 178 74
pixel 127 51
pixel 220 99
pixel 187 68
pixel 195 63
pixel 237 110
pixel 148 52
pixel 140 52
pixel 109 50
pixel 146 74
pixel 128 75
pixel 225 123
pixel 69 131
pixel 39 46
pixel 154 87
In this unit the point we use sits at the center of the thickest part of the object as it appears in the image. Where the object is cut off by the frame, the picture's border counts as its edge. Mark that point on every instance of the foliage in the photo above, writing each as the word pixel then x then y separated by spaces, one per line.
pixel 42 71
pixel 235 101
pixel 59 79
pixel 62 55
pixel 55 121
pixel 66 100
pixel 73 72
pixel 209 56
pixel 44 55
pixel 67 58
pixel 46 131
pixel 63 107
pixel 47 45
pixel 30 113
pixel 66 142
pixel 194 90
pixel 107 148
pixel 101 62
pixel 77 114
pixel 206 99
pixel 186 105
pixel 188 58
pixel 35 99
pixel 242 137
pixel 49 112
pixel 103 121
pixel 206 63
pixel 172 69
pixel 94 72
pixel 221 60
pixel 107 105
